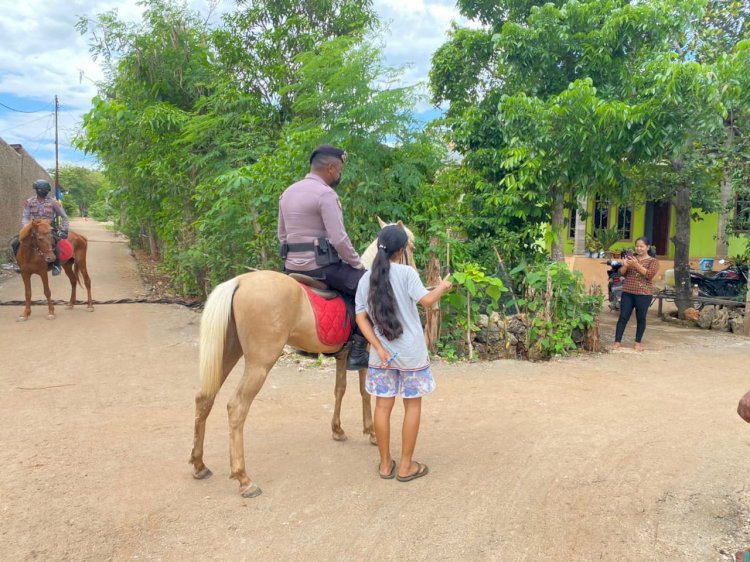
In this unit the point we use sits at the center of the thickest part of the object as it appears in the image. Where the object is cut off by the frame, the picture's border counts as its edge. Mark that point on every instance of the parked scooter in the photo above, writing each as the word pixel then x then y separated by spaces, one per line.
pixel 614 285
pixel 728 282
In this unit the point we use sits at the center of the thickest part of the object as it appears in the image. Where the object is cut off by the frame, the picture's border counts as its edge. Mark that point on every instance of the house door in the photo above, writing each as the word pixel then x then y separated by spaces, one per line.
pixel 657 225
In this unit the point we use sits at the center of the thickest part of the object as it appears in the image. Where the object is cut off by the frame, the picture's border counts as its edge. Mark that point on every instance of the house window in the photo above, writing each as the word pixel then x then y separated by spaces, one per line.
pixel 572 223
pixel 742 212
pixel 601 212
pixel 625 222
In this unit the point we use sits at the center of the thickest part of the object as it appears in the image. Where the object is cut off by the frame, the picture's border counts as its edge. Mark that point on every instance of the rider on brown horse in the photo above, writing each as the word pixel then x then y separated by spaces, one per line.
pixel 42 206
pixel 313 238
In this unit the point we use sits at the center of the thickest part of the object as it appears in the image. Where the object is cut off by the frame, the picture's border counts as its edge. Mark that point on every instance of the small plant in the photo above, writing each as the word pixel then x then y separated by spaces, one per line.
pixel 558 304
pixel 476 293
pixel 603 239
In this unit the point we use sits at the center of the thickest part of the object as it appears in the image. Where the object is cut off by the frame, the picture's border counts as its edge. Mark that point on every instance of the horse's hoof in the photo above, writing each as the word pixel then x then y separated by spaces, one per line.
pixel 22 318
pixel 373 440
pixel 203 474
pixel 339 436
pixel 252 492
pixel 51 317
pixel 90 309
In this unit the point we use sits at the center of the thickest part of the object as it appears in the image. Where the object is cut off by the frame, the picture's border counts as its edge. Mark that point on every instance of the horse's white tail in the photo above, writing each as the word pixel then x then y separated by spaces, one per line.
pixel 213 335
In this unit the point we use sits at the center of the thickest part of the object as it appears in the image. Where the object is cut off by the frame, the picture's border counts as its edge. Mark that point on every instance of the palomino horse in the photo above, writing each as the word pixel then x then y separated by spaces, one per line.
pixel 36 252
pixel 256 314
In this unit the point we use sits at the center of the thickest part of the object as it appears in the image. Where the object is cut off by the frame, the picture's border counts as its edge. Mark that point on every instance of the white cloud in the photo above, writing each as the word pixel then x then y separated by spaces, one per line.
pixel 43 55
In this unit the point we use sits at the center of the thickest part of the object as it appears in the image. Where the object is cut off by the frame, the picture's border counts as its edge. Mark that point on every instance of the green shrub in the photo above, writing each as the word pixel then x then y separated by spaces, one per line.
pixel 558 305
pixel 554 304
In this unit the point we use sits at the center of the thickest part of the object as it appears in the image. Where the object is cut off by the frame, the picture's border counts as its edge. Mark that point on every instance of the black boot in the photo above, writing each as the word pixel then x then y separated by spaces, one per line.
pixel 14 245
pixel 358 357
pixel 56 269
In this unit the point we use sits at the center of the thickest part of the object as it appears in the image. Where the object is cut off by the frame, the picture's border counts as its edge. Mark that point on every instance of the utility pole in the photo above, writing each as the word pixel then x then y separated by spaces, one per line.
pixel 57 163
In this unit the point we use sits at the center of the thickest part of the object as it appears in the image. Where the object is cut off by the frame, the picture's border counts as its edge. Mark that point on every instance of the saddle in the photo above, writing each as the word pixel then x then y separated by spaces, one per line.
pixel 333 314
pixel 64 249
pixel 317 286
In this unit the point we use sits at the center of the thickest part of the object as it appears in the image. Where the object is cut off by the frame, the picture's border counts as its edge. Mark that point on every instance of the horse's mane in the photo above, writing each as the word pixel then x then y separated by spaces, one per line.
pixel 42 225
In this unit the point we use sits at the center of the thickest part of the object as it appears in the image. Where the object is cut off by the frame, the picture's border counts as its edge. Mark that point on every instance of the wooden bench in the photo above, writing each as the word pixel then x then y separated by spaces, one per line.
pixel 670 296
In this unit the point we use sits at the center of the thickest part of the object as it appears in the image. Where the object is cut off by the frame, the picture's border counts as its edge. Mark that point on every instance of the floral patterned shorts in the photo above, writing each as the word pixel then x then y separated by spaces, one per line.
pixel 387 382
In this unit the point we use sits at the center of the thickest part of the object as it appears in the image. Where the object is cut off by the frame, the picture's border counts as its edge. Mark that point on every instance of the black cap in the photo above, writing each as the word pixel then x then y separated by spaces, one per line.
pixel 328 150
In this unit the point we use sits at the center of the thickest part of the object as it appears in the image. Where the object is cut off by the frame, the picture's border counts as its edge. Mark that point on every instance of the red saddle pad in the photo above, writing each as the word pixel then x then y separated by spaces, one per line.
pixel 330 318
pixel 65 249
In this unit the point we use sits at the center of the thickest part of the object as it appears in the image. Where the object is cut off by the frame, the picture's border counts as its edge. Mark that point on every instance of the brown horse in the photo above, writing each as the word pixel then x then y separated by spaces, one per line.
pixel 256 315
pixel 36 252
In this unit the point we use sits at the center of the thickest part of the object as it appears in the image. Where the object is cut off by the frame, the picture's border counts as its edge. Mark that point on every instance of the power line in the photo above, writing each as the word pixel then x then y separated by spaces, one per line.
pixel 22 111
pixel 25 124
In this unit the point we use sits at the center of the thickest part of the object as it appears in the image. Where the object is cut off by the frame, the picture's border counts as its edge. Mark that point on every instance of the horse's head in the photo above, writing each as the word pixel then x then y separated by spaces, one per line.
pixel 408 257
pixel 38 233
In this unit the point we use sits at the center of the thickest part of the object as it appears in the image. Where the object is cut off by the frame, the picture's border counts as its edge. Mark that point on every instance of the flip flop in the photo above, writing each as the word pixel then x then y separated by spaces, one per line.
pixel 391 474
pixel 422 470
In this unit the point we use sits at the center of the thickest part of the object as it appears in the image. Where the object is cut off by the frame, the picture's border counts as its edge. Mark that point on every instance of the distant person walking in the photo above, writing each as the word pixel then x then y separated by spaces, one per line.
pixel 637 291
pixel 387 315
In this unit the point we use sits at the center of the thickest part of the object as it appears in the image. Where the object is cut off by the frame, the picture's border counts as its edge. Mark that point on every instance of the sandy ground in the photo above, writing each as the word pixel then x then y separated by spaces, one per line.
pixel 627 456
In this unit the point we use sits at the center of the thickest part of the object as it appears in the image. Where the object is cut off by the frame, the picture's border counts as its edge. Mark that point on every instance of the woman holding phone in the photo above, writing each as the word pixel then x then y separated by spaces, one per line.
pixel 639 270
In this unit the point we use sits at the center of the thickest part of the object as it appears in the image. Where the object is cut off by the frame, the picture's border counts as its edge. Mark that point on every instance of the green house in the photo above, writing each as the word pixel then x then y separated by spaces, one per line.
pixel 656 220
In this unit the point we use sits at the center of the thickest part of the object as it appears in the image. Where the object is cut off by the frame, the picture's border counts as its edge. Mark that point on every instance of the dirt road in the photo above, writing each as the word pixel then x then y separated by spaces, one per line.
pixel 632 457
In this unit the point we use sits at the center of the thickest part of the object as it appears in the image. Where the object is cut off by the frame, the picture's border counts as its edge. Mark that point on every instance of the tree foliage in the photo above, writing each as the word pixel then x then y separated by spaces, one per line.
pixel 201 129
pixel 551 103
pixel 82 187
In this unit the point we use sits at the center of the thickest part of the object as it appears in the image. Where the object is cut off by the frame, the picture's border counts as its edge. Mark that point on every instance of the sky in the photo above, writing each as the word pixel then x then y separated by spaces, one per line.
pixel 42 55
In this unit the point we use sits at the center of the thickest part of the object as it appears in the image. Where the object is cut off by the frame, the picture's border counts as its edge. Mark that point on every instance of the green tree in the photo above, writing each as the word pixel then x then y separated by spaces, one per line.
pixel 81 185
pixel 557 77
pixel 719 28
pixel 391 163
pixel 159 70
pixel 259 44
pixel 200 131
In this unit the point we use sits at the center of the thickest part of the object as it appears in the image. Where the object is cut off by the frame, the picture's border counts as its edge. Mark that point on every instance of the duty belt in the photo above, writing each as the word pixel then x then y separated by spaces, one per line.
pixel 301 247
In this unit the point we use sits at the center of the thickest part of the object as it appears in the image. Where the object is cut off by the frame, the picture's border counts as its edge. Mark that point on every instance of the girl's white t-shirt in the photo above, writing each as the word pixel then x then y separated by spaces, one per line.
pixel 410 346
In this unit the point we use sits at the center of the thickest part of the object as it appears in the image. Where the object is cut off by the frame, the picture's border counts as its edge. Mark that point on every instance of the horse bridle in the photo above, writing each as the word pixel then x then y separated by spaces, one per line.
pixel 35 243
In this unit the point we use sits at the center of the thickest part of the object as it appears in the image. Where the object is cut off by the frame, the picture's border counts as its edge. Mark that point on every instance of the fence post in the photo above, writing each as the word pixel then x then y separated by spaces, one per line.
pixel 432 313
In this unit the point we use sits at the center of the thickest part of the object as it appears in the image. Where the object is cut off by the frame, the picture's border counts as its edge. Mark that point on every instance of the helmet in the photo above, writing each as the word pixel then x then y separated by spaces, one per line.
pixel 42 187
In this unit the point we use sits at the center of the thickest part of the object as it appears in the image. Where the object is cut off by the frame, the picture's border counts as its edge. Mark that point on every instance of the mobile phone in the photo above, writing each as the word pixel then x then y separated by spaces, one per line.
pixel 629 253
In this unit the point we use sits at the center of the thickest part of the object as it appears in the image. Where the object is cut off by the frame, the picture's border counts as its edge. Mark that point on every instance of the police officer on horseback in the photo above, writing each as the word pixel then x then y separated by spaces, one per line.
pixel 313 238
pixel 41 206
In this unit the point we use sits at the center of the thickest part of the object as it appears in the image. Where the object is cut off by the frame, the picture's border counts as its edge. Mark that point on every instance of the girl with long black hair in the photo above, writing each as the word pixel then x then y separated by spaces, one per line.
pixel 386 308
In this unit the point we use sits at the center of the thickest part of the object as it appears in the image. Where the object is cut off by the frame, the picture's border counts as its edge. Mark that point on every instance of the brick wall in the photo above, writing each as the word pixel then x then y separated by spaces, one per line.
pixel 18 170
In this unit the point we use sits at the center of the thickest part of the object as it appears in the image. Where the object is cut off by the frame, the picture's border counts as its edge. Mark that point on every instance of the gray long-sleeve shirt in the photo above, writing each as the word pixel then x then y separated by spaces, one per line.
pixel 47 209
pixel 310 209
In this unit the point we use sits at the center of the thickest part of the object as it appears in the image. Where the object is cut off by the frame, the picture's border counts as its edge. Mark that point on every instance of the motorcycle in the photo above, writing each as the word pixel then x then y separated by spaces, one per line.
pixel 728 282
pixel 614 284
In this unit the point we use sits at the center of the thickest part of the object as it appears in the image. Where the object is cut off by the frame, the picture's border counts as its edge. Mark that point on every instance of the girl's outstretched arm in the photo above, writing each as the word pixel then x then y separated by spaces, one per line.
pixel 434 296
